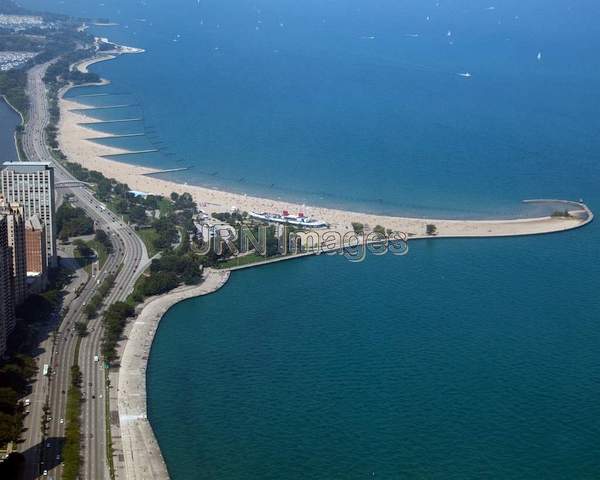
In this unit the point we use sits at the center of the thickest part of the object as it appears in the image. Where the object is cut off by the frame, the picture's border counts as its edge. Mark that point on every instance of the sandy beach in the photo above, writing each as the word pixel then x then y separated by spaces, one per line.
pixel 133 436
pixel 74 142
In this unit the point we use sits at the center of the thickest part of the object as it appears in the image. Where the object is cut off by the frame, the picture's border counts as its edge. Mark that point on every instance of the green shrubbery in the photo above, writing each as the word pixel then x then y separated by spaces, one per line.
pixel 70 451
pixel 72 222
pixel 92 307
pixel 114 321
pixel 358 228
pixel 14 378
pixel 83 250
pixel 12 86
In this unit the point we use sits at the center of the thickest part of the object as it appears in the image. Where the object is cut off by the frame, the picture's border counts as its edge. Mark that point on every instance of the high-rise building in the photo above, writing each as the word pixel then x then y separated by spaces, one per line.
pixel 7 298
pixel 16 242
pixel 31 184
pixel 35 253
pixel 35 246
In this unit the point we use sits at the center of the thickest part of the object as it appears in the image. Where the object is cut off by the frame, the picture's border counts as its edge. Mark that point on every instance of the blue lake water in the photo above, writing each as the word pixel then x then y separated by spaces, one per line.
pixel 340 103
pixel 9 119
pixel 464 359
pixel 116 128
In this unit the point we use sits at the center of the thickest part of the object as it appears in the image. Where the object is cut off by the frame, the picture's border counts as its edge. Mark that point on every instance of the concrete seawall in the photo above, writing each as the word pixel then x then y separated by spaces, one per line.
pixel 141 454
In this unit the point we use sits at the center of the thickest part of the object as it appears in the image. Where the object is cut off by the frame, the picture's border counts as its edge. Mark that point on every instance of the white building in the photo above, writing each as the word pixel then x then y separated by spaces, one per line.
pixel 31 184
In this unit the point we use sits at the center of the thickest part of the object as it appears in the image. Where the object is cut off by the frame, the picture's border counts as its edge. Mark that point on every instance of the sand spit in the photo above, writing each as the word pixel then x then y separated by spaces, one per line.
pixel 74 142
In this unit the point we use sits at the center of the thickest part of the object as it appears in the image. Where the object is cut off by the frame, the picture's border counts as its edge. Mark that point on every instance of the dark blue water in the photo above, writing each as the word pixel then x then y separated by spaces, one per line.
pixel 464 359
pixel 9 119
pixel 296 98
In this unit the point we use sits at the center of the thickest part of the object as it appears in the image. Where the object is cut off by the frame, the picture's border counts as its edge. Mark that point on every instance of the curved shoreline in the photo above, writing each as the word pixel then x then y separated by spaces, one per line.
pixel 77 142
pixel 142 455
pixel 18 112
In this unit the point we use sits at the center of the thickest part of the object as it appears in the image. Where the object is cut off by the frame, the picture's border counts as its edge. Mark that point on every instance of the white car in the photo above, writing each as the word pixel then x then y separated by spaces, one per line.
pixel 62 420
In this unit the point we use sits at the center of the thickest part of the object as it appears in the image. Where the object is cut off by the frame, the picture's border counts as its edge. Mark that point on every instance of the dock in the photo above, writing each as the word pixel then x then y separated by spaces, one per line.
pixel 137 119
pixel 133 152
pixel 108 137
pixel 168 170
pixel 107 107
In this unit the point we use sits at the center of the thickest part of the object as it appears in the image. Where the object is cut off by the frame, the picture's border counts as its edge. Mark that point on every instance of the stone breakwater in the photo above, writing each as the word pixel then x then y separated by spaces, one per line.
pixel 142 458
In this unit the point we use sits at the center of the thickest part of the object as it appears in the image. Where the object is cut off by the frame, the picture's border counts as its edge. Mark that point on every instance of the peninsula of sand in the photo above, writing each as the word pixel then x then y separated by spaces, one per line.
pixel 133 436
pixel 77 142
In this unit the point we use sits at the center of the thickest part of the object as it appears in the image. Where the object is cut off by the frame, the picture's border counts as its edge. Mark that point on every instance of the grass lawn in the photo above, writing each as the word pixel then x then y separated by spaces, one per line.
pixel 148 235
pixel 84 262
pixel 243 260
pixel 100 251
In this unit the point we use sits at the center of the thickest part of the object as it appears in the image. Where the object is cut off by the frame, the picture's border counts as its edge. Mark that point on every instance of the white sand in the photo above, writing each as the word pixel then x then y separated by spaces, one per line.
pixel 72 138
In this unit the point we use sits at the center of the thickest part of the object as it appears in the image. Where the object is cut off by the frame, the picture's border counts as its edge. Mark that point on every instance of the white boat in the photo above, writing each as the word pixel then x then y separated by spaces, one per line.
pixel 296 220
pixel 466 74
pixel 539 56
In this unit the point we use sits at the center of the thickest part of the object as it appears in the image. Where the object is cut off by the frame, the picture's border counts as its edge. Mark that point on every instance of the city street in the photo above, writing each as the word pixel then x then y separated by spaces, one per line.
pixel 128 261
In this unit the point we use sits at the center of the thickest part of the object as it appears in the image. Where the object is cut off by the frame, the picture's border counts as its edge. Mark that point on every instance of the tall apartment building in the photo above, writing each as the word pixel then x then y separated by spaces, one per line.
pixel 7 299
pixel 35 246
pixel 31 184
pixel 16 242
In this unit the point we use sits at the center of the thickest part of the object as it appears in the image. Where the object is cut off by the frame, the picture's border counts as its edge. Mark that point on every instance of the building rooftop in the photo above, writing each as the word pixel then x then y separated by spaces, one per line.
pixel 33 223
pixel 26 167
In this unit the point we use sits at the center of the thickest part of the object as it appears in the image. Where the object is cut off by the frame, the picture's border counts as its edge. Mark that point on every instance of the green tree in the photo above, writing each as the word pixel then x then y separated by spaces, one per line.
pixel 72 221
pixel 431 229
pixel 137 214
pixel 103 238
pixel 358 228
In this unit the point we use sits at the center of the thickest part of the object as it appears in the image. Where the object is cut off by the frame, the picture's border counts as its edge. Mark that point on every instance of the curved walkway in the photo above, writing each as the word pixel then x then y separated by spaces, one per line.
pixel 142 457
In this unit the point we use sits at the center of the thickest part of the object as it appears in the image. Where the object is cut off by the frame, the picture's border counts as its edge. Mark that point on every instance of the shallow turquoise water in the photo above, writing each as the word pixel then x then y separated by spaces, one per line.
pixel 464 359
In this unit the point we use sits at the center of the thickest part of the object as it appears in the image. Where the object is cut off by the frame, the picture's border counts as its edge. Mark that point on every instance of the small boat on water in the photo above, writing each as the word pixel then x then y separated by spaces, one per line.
pixel 296 220
pixel 465 75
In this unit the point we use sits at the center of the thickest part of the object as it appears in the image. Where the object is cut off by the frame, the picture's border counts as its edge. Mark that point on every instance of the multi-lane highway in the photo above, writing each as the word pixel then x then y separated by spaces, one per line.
pixel 127 261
